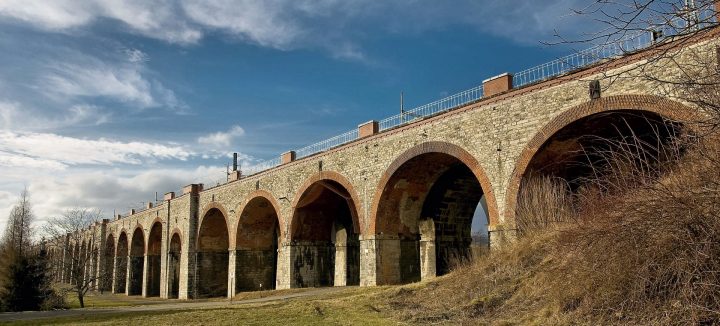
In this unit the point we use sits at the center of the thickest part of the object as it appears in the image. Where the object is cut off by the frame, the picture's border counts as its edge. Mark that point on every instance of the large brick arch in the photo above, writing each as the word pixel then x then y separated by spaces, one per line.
pixel 210 206
pixel 110 236
pixel 175 231
pixel 436 147
pixel 260 193
pixel 138 226
pixel 127 241
pixel 149 234
pixel 330 176
pixel 664 107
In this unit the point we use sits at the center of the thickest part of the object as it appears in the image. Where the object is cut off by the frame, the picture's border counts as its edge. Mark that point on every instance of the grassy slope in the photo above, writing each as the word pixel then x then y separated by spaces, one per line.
pixel 646 252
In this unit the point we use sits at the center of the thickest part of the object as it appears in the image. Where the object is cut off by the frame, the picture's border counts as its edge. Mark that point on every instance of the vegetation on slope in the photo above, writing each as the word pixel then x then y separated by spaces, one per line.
pixel 640 244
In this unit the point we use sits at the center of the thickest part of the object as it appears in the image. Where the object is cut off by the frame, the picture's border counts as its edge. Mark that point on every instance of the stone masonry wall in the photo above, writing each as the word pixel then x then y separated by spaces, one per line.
pixel 497 134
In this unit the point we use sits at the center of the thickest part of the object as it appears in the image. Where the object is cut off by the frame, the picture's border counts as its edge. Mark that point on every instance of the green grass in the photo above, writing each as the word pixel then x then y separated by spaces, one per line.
pixel 109 300
pixel 347 307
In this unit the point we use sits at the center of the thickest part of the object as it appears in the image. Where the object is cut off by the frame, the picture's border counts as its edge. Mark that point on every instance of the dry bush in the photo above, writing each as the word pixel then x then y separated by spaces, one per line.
pixel 543 202
pixel 638 244
pixel 648 248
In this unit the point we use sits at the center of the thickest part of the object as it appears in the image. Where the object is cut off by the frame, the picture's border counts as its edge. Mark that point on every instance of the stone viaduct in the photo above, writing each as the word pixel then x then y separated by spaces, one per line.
pixel 389 207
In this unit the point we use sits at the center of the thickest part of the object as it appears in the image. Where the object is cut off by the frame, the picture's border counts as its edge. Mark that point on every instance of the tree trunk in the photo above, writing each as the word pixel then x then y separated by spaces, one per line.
pixel 81 299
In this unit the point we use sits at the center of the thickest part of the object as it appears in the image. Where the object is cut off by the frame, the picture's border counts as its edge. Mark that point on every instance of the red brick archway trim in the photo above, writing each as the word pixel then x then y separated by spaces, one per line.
pixel 205 211
pixel 117 242
pixel 436 147
pixel 172 234
pixel 331 176
pixel 664 107
pixel 157 220
pixel 260 193
pixel 142 235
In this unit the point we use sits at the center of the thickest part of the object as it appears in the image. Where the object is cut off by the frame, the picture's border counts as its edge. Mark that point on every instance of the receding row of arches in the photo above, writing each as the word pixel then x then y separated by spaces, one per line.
pixel 429 212
pixel 427 203
pixel 76 262
pixel 134 267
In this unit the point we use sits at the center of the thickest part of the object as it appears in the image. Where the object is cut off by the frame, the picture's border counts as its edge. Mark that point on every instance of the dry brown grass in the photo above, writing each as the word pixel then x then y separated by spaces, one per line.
pixel 641 245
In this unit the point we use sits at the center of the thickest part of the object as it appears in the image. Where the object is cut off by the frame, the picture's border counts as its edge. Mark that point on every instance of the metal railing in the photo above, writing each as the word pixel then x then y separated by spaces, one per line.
pixel 259 167
pixel 430 109
pixel 327 144
pixel 631 43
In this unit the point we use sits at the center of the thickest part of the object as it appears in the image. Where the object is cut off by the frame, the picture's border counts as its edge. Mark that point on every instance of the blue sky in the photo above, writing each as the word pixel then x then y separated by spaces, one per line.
pixel 103 103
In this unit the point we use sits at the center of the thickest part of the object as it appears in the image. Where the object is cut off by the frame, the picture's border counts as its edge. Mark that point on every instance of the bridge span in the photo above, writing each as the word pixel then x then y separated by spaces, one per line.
pixel 392 202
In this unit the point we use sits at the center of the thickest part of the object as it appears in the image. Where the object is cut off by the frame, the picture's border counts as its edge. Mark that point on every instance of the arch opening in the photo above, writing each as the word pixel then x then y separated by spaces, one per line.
pixel 153 260
pixel 433 205
pixel 174 267
pixel 108 267
pixel 579 158
pixel 121 262
pixel 212 256
pixel 256 246
pixel 136 263
pixel 326 250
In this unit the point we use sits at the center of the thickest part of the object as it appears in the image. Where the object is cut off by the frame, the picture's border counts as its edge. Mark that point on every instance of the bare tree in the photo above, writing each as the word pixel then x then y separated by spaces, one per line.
pixel 17 232
pixel 670 28
pixel 69 232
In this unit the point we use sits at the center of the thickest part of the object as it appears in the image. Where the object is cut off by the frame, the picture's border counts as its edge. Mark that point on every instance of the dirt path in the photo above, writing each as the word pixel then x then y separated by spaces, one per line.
pixel 176 305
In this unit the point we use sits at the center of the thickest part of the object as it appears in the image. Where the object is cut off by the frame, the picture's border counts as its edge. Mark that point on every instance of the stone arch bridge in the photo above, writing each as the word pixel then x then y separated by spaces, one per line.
pixel 389 207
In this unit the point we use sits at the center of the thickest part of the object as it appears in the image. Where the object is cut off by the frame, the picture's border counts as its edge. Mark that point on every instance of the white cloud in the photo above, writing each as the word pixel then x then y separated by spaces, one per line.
pixel 59 14
pixel 94 78
pixel 264 22
pixel 136 56
pixel 222 138
pixel 22 149
pixel 107 190
pixel 156 19
pixel 115 188
pixel 334 25
pixel 15 116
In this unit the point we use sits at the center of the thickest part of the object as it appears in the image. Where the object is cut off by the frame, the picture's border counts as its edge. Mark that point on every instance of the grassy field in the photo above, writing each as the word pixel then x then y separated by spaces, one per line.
pixel 353 306
pixel 110 300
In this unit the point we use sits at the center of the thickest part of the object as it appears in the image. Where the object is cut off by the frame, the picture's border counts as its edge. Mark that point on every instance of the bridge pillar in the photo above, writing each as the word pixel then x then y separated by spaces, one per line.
pixel 499 236
pixel 188 253
pixel 65 268
pixel 128 273
pixel 145 273
pixel 282 279
pixel 428 256
pixel 164 252
pixel 101 263
pixel 113 276
pixel 379 260
pixel 232 262
pixel 341 261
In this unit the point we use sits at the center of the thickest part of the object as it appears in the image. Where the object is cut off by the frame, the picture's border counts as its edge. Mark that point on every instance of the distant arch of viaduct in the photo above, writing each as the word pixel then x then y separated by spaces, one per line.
pixel 385 209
